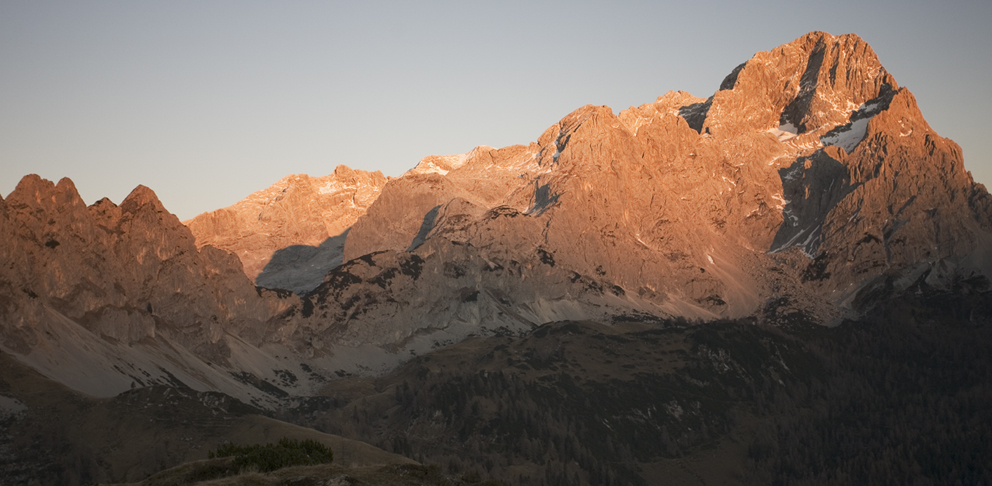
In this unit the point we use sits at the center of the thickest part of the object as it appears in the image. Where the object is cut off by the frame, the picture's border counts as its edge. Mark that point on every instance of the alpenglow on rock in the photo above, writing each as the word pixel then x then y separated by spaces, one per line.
pixel 809 185
pixel 289 235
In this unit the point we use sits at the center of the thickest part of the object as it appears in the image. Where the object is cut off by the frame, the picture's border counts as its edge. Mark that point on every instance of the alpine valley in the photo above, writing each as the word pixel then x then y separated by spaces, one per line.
pixel 785 282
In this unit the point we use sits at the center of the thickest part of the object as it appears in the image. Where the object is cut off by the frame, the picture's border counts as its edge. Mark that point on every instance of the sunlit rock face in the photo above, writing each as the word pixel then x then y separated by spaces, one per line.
pixel 107 297
pixel 125 271
pixel 809 175
pixel 808 185
pixel 299 214
pixel 810 178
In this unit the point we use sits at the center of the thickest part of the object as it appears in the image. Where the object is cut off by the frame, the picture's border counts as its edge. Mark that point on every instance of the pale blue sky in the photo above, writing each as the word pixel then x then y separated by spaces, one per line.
pixel 208 101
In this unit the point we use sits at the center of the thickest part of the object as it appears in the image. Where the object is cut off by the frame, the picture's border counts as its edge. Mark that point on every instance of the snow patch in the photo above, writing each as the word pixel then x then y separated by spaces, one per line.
pixel 784 132
pixel 642 243
pixel 792 174
pixel 790 216
pixel 431 167
pixel 442 164
pixel 781 200
pixel 10 407
pixel 847 137
pixel 331 187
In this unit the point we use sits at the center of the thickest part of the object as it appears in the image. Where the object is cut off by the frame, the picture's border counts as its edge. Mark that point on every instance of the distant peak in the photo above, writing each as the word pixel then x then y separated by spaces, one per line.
pixel 31 184
pixel 817 36
pixel 344 171
pixel 678 99
pixel 66 186
pixel 104 202
pixel 442 164
pixel 33 189
pixel 139 197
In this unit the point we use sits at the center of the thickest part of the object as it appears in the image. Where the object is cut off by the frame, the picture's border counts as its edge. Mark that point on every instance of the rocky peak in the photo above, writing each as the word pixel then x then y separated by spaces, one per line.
pixel 52 205
pixel 443 164
pixel 125 272
pixel 297 211
pixel 34 191
pixel 811 84
pixel 675 198
pixel 141 198
pixel 65 189
pixel 809 184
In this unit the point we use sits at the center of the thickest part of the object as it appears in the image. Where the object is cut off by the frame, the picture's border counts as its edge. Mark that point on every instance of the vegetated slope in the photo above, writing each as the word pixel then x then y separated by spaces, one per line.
pixel 214 472
pixel 53 435
pixel 897 396
pixel 288 235
pixel 574 403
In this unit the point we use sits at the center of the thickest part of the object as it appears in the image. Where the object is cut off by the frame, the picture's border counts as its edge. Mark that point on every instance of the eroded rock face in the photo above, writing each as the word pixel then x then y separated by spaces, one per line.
pixel 810 176
pixel 809 184
pixel 299 210
pixel 110 297
pixel 125 272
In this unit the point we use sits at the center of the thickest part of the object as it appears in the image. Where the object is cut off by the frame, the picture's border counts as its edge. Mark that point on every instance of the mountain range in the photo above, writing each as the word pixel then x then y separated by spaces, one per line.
pixel 808 190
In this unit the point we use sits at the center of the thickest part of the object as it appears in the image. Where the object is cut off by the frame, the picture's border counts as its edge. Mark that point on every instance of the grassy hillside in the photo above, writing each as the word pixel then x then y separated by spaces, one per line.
pixel 66 438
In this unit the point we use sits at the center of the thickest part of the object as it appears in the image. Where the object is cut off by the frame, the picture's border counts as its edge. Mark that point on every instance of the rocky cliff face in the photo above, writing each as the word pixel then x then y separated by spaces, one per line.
pixel 288 235
pixel 109 266
pixel 107 297
pixel 810 180
pixel 809 185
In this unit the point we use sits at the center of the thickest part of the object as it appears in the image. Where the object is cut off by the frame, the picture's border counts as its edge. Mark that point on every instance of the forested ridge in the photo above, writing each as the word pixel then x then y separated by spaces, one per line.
pixel 900 396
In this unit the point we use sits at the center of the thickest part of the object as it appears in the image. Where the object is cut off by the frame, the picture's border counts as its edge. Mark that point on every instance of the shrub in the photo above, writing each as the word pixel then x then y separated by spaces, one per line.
pixel 269 457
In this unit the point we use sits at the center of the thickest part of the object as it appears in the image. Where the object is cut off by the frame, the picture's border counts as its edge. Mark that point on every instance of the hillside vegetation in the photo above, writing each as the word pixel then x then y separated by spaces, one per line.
pixel 900 396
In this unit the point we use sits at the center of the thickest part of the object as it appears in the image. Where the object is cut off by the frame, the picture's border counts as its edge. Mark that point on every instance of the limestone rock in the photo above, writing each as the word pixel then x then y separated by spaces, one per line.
pixel 808 185
pixel 297 211
pixel 125 272
pixel 689 206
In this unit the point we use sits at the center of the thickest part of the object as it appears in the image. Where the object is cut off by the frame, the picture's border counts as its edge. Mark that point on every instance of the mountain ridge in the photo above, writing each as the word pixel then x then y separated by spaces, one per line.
pixel 297 210
pixel 810 181
pixel 647 282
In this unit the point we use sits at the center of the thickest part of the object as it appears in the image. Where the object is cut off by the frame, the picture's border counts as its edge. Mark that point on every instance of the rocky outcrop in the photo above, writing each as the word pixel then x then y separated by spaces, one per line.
pixel 125 272
pixel 465 279
pixel 484 176
pixel 106 297
pixel 299 213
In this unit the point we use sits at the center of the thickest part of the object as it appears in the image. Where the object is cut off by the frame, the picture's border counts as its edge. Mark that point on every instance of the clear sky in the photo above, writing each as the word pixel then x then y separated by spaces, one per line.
pixel 208 101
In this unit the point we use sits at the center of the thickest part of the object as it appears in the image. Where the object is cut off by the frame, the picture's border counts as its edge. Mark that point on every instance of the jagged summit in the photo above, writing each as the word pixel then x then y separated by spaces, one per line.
pixel 104 297
pixel 442 164
pixel 809 185
pixel 33 189
pixel 808 189
pixel 683 201
pixel 688 202
pixel 141 198
pixel 810 84
pixel 296 211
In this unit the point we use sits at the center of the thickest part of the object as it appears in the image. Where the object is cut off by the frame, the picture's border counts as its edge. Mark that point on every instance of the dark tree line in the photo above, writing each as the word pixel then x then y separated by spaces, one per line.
pixel 903 396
